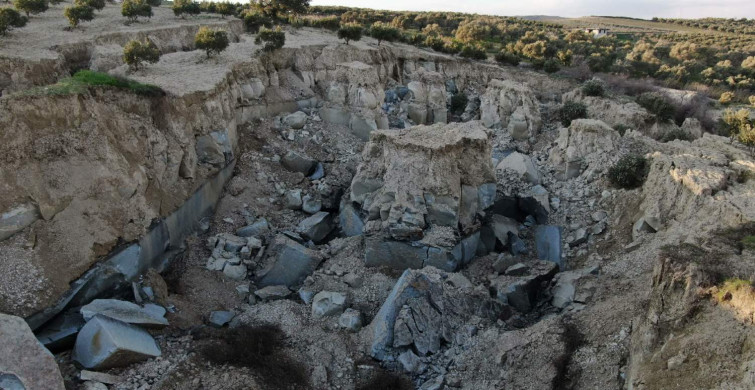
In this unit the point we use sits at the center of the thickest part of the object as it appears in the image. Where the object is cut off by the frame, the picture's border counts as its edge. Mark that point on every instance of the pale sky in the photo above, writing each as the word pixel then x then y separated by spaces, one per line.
pixel 568 8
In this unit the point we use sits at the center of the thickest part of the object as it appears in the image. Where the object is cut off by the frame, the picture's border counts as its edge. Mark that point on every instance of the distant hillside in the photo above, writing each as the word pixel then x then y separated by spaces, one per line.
pixel 541 18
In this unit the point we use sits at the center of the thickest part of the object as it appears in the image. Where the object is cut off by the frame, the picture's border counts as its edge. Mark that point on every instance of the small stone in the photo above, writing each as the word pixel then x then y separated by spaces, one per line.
pixel 228 220
pixel 293 200
pixel 503 262
pixel 296 120
pixel 599 216
pixel 351 320
pixel 676 361
pixel 90 385
pixel 518 269
pixel 220 318
pixel 214 264
pixel 259 227
pixel 598 228
pixel 580 237
pixel 409 361
pixel 310 205
pixel 128 312
pixel 353 280
pixel 319 172
pixel 236 272
pixel 273 292
pixel 242 290
pixel 327 303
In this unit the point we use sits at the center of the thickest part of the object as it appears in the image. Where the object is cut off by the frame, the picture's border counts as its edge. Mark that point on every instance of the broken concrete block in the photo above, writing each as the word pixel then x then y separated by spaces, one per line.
pixel 327 303
pixel 23 361
pixel 106 343
pixel 316 227
pixel 123 311
pixel 292 265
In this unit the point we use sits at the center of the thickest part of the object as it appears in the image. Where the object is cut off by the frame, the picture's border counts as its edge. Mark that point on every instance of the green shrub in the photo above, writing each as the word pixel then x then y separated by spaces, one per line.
pixel 621 128
pixel 211 41
pixel 551 66
pixel 506 57
pixel 435 42
pixel 629 171
pixel 253 21
pixel 332 23
pixel 657 105
pixel 280 9
pixel 31 6
pixel 675 134
pixel 136 52
pixel 185 7
pixel 473 52
pixel 384 32
pixel 350 32
pixel 10 18
pixel 96 4
pixel 593 88
pixel 274 39
pixel 84 79
pixel 225 9
pixel 78 13
pixel 726 97
pixel 459 102
pixel 739 125
pixel 570 111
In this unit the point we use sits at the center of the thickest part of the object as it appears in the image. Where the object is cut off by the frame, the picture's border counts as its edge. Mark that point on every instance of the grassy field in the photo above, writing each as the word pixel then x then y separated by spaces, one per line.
pixel 629 25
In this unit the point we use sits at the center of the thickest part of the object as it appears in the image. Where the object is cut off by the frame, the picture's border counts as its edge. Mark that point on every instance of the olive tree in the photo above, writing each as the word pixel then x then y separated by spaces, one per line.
pixel 280 9
pixel 185 7
pixel 78 13
pixel 274 39
pixel 350 32
pixel 137 52
pixel 211 41
pixel 95 4
pixel 31 6
pixel 133 9
pixel 384 32
pixel 11 18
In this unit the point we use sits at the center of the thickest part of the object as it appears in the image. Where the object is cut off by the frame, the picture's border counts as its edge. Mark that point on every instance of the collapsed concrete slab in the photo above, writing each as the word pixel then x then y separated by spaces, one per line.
pixel 124 311
pixel 414 181
pixel 23 361
pixel 105 342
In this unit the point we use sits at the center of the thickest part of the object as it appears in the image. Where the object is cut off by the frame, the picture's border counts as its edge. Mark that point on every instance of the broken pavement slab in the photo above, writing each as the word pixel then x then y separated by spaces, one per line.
pixel 23 360
pixel 124 311
pixel 106 343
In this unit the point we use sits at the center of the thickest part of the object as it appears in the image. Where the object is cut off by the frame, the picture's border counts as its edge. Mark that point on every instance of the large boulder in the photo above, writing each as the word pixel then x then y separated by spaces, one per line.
pixel 105 342
pixel 24 363
pixel 292 263
pixel 427 104
pixel 414 180
pixel 587 144
pixel 513 106
pixel 522 165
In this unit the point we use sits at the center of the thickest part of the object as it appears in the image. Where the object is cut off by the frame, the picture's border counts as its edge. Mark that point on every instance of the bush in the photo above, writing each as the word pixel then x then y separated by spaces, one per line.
pixel 253 21
pixel 96 4
pixel 136 52
pixel 434 42
pixel 675 134
pixel 350 32
pixel 593 88
pixel 621 129
pixel 506 57
pixel 78 13
pixel 384 32
pixel 80 83
pixel 185 7
pixel 740 126
pixel 726 97
pixel 10 18
pixel 211 41
pixel 274 39
pixel 656 105
pixel 551 66
pixel 279 9
pixel 31 6
pixel 225 9
pixel 133 9
pixel 459 103
pixel 751 99
pixel 332 23
pixel 629 171
pixel 473 52
pixel 570 111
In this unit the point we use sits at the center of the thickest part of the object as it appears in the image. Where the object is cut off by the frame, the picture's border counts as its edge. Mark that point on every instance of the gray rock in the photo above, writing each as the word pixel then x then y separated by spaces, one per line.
pixel 353 280
pixel 318 173
pixel 409 361
pixel 296 162
pixel 503 262
pixel 292 200
pixel 123 311
pixel 598 228
pixel 328 303
pixel 516 245
pixel 316 227
pixel 23 360
pixel 306 295
pixel 292 265
pixel 502 226
pixel 579 237
pixel 220 318
pixel 645 225
pixel 259 227
pixel 216 264
pixel 442 210
pixel 548 244
pixel 242 290
pixel 599 216
pixel 106 343
pixel 518 269
pixel 235 272
pixel 209 152
pixel 230 242
pixel 60 333
pixel 393 254
pixel 296 120
pixel 350 320
pixel 311 205
pixel 522 165
pixel 419 324
pixel 468 205
pixel 350 221
pixel 437 383
pixel 17 219
pixel 271 293
pixel 486 195
pixel 92 385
